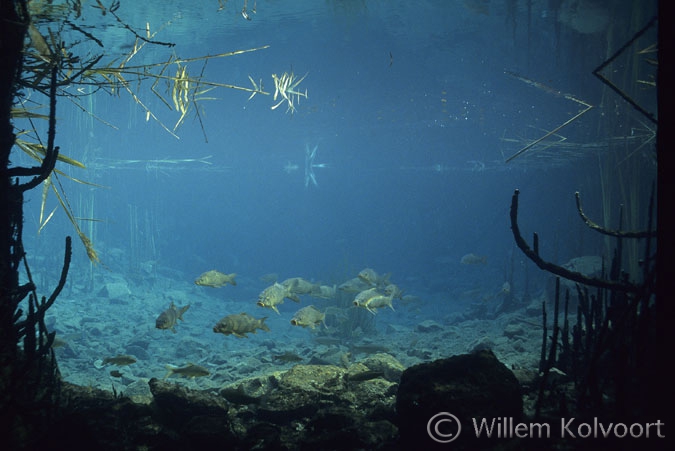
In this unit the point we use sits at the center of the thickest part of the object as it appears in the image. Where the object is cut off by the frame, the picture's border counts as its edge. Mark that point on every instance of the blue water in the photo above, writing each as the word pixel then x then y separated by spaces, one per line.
pixel 408 105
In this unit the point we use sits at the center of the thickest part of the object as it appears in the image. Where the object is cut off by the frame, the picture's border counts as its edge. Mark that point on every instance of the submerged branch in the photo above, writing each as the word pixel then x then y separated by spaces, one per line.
pixel 610 232
pixel 533 254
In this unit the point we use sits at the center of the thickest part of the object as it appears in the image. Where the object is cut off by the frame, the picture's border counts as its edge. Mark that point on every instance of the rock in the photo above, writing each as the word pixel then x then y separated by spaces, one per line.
pixel 306 407
pixel 201 417
pixel 514 330
pixel 138 391
pixel 535 306
pixel 316 407
pixel 481 344
pixel 138 352
pixel 396 329
pixel 117 290
pixel 250 390
pixel 387 364
pixel 468 386
pixel 428 326
pixel 302 391
pixel 95 419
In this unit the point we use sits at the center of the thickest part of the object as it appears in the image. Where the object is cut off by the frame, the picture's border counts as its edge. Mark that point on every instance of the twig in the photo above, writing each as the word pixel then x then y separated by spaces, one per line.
pixel 610 232
pixel 533 254
pixel 615 88
pixel 51 153
pixel 557 94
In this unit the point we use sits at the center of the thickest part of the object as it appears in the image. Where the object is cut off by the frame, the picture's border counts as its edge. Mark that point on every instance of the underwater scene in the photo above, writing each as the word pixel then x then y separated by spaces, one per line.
pixel 290 205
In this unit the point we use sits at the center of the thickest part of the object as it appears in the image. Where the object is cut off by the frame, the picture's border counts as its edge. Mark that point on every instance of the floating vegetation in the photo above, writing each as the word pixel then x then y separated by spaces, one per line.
pixel 536 84
pixel 285 88
pixel 83 66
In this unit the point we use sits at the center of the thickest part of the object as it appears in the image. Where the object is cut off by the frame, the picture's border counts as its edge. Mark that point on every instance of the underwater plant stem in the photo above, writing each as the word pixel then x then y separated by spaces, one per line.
pixel 605 231
pixel 51 153
pixel 623 286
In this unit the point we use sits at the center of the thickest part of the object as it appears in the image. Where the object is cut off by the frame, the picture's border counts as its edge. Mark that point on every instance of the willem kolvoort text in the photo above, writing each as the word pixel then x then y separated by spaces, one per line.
pixel 507 427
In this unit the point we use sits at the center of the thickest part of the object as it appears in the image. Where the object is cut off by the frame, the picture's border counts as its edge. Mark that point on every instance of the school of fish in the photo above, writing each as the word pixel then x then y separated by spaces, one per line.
pixel 372 291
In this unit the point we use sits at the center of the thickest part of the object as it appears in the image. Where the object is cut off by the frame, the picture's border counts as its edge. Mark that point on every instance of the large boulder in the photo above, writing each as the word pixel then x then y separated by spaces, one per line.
pixel 471 387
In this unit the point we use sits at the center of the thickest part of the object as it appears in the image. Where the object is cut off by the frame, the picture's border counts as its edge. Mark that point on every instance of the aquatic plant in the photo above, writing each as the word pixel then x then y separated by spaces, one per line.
pixel 55 65
pixel 86 68
pixel 29 380
pixel 613 344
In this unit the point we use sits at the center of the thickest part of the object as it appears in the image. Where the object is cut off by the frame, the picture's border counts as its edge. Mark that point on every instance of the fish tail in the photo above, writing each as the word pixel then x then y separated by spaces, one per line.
pixel 232 276
pixel 263 326
pixel 183 310
pixel 169 370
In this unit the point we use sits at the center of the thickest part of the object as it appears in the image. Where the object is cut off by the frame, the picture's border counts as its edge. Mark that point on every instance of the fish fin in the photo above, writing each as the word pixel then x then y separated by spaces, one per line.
pixel 293 297
pixel 170 370
pixel 239 335
pixel 232 276
pixel 274 307
pixel 182 310
pixel 264 326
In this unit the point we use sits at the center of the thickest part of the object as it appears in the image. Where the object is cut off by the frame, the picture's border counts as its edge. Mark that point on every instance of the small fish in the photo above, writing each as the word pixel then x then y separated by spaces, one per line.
pixel 378 302
pixel 298 285
pixel 287 357
pixel 371 299
pixel 120 360
pixel 323 291
pixel 239 325
pixel 190 370
pixel 269 277
pixel 369 276
pixel 328 341
pixel 473 259
pixel 355 285
pixel 364 296
pixel 215 279
pixel 169 317
pixel 308 316
pixel 115 373
pixel 393 291
pixel 274 295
